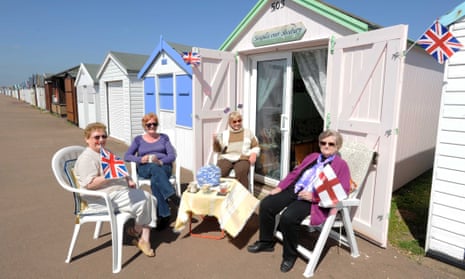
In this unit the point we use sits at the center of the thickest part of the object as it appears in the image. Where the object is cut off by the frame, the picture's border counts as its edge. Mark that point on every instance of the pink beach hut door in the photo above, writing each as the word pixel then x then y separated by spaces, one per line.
pixel 214 94
pixel 363 100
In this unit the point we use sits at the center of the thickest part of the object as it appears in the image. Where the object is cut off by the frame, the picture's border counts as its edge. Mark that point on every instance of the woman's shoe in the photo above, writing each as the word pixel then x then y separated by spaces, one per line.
pixel 261 246
pixel 144 246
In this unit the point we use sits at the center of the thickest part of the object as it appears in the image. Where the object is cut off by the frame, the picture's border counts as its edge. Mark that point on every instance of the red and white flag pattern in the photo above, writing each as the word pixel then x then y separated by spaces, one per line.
pixel 112 165
pixel 191 58
pixel 439 42
pixel 328 187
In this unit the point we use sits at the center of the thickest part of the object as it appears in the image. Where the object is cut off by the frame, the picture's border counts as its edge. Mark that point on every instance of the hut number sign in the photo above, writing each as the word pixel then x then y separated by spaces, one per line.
pixel 276 5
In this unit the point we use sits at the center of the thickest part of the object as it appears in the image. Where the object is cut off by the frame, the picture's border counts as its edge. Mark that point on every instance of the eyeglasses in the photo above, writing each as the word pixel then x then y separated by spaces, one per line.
pixel 100 136
pixel 323 143
pixel 154 124
pixel 237 121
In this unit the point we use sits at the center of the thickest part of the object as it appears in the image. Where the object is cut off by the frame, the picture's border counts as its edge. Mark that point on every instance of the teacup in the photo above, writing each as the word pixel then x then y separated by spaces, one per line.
pixel 193 188
pixel 206 188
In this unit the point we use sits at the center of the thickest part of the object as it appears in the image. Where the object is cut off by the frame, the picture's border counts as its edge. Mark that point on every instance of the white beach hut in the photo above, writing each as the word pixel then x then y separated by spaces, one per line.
pixel 445 236
pixel 297 67
pixel 87 85
pixel 121 94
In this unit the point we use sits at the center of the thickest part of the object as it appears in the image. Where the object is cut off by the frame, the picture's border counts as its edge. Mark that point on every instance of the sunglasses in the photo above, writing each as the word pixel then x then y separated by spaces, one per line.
pixel 237 121
pixel 148 125
pixel 323 143
pixel 100 136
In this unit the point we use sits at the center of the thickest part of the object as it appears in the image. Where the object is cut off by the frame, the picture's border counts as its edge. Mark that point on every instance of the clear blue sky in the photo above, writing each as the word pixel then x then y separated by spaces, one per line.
pixel 54 35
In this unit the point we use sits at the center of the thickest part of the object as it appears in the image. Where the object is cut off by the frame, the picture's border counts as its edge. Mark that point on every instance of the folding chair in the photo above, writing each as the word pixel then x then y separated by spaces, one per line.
pixel 359 159
pixel 62 166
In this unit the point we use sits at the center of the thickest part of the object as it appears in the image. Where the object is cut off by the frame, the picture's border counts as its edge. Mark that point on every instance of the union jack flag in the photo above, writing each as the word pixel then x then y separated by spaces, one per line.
pixel 191 58
pixel 328 187
pixel 113 167
pixel 439 42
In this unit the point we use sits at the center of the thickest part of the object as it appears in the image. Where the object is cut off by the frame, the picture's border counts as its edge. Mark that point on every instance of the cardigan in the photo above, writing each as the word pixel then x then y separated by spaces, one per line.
pixel 340 167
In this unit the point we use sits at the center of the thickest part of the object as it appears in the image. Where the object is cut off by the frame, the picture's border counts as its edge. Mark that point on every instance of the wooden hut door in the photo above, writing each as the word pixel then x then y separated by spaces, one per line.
pixel 71 100
pixel 363 99
pixel 214 96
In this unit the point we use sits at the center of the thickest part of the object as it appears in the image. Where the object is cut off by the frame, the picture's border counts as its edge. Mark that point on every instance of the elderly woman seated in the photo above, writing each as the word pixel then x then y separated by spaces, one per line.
pixel 138 203
pixel 296 195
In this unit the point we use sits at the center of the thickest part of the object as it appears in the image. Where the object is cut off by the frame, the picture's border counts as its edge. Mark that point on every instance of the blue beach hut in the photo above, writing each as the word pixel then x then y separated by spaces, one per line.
pixel 167 82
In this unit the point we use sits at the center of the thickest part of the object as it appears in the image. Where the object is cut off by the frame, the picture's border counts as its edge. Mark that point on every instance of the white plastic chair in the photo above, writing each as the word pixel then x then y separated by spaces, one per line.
pixel 175 178
pixel 359 158
pixel 232 173
pixel 62 164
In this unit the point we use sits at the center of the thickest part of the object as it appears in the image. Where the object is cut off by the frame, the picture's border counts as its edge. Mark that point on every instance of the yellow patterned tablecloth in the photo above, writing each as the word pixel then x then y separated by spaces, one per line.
pixel 232 210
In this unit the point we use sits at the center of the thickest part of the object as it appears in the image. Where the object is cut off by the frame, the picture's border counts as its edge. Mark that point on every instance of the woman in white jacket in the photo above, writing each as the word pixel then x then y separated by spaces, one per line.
pixel 237 147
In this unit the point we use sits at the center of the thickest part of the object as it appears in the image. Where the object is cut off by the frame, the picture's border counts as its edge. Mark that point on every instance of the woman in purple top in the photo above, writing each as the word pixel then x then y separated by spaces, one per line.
pixel 295 194
pixel 154 155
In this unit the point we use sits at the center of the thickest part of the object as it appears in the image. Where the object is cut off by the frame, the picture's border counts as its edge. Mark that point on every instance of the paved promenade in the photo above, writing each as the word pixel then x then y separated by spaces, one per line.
pixel 37 222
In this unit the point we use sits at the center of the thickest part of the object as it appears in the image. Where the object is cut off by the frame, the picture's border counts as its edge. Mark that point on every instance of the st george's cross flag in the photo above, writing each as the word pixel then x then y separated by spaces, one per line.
pixel 113 167
pixel 439 42
pixel 191 58
pixel 328 187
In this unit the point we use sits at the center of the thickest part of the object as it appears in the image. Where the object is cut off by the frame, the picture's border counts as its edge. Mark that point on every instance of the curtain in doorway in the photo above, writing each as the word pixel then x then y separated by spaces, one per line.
pixel 268 76
pixel 312 69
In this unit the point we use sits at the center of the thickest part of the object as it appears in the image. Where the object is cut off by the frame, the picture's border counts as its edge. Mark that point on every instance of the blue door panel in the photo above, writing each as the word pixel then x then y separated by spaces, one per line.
pixel 184 100
pixel 150 104
pixel 166 92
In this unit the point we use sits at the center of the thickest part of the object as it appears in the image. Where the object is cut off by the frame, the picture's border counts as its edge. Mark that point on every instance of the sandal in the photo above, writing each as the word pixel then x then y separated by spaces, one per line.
pixel 131 231
pixel 144 246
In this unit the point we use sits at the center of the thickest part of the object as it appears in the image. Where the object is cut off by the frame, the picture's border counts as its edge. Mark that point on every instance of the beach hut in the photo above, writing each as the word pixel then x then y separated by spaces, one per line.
pixel 445 236
pixel 295 68
pixel 168 93
pixel 87 88
pixel 121 94
pixel 60 94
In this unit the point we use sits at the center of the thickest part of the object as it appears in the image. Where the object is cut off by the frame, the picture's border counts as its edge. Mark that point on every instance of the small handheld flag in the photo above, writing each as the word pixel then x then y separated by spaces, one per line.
pixel 113 167
pixel 328 187
pixel 191 58
pixel 439 42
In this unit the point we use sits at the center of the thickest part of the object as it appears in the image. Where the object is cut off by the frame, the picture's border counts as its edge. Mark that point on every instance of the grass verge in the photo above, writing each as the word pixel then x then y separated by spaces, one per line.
pixel 409 216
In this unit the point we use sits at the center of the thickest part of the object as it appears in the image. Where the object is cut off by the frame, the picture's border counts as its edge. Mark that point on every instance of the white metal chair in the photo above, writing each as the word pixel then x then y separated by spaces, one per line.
pixel 175 178
pixel 62 166
pixel 232 173
pixel 359 158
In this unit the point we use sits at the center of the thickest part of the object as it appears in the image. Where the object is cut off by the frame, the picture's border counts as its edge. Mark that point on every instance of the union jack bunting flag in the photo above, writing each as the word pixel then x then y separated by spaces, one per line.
pixel 191 58
pixel 113 167
pixel 439 42
pixel 328 187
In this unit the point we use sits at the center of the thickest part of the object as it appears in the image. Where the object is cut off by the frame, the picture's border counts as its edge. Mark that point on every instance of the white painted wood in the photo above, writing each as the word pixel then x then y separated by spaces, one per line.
pixel 116 115
pixel 452 250
pixel 445 211
pixel 365 108
pixel 451 150
pixel 448 175
pixel 87 98
pixel 441 233
pixel 126 105
pixel 452 201
pixel 453 163
pixel 214 88
pixel 318 27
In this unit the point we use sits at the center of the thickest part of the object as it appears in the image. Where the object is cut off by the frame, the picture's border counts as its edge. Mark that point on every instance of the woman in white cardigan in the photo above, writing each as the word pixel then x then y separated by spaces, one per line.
pixel 237 147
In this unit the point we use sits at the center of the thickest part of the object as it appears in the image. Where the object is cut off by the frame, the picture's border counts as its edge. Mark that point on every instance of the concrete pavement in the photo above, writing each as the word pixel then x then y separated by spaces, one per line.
pixel 37 223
